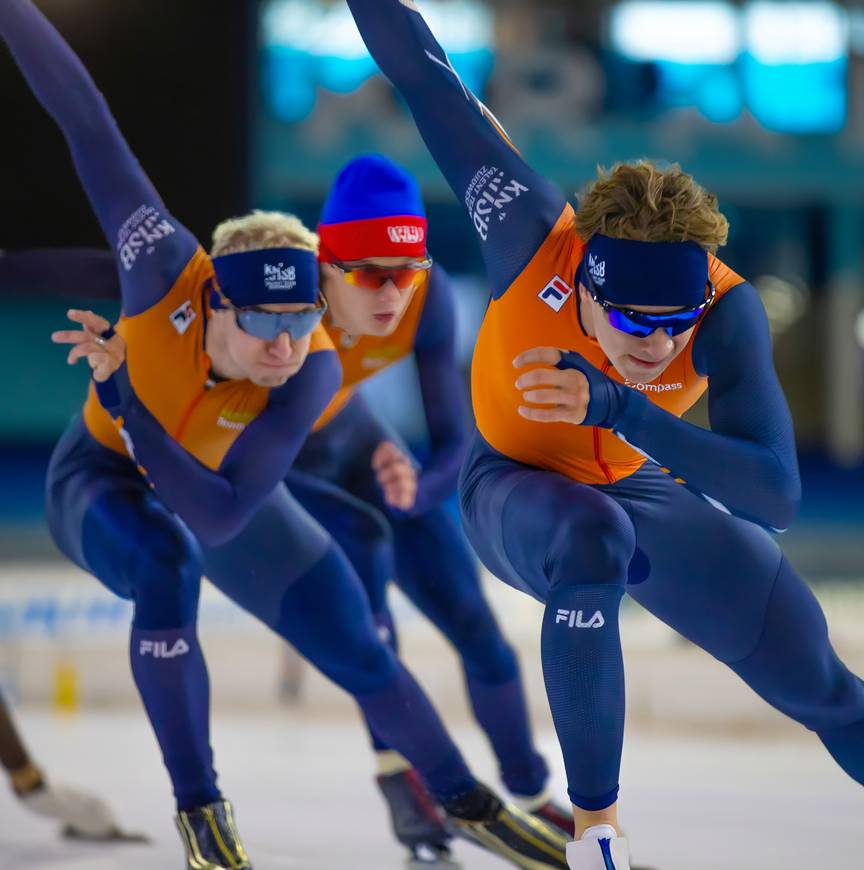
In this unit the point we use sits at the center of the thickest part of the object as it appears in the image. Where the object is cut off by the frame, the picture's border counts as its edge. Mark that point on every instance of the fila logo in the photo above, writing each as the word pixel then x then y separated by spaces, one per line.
pixel 556 293
pixel 280 277
pixel 573 618
pixel 182 317
pixel 159 648
pixel 597 270
pixel 406 235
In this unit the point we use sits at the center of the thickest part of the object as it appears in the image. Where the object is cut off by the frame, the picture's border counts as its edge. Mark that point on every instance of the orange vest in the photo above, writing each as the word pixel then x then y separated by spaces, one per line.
pixel 363 357
pixel 521 320
pixel 169 372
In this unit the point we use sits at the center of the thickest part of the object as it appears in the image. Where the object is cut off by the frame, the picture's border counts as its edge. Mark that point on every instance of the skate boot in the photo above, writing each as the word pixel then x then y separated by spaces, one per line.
pixel 83 816
pixel 518 837
pixel 416 820
pixel 211 839
pixel 547 810
pixel 599 849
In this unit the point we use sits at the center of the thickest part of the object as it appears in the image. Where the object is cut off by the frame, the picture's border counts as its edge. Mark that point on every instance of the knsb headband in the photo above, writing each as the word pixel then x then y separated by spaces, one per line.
pixel 268 276
pixel 626 272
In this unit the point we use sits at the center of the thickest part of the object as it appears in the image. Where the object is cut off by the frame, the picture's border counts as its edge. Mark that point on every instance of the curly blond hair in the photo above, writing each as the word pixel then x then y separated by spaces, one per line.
pixel 262 229
pixel 642 202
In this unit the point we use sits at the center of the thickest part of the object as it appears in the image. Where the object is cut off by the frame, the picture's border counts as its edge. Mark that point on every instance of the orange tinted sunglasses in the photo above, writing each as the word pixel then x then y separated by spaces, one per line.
pixel 375 277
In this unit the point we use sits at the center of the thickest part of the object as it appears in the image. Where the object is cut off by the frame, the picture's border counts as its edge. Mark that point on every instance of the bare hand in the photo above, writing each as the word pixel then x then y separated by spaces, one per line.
pixel 565 392
pixel 396 476
pixel 105 355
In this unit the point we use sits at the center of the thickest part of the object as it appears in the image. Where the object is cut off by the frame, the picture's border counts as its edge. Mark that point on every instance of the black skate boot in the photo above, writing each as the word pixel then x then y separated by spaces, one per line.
pixel 211 839
pixel 549 811
pixel 518 837
pixel 416 820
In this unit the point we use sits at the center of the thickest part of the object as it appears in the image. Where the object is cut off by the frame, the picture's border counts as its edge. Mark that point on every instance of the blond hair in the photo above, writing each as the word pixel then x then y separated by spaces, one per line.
pixel 262 229
pixel 642 202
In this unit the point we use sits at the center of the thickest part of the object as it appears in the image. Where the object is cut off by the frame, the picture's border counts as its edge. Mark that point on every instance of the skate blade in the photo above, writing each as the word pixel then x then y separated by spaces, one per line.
pixel 114 835
pixel 442 862
pixel 441 858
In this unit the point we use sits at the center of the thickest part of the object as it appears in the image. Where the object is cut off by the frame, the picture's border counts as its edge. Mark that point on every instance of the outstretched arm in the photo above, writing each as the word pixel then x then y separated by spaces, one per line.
pixel 443 392
pixel 746 461
pixel 511 206
pixel 150 246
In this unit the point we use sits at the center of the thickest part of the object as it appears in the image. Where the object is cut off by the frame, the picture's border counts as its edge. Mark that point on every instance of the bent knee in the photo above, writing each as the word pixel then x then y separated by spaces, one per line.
pixel 592 547
pixel 363 668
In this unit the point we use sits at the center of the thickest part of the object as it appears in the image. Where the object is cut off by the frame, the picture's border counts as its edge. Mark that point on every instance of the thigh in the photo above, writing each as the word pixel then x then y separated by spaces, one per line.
pixel 705 573
pixel 279 545
pixel 434 565
pixel 286 570
pixel 361 531
pixel 103 515
pixel 536 528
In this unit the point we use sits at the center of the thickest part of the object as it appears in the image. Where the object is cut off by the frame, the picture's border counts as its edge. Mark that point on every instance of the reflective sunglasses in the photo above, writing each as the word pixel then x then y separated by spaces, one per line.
pixel 641 325
pixel 375 277
pixel 268 325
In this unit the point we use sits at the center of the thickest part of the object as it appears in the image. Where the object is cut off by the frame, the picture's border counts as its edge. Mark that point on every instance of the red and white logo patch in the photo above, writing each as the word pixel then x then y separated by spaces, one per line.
pixel 406 235
pixel 556 293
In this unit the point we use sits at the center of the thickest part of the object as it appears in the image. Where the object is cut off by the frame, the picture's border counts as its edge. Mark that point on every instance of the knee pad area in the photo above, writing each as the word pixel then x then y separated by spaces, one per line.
pixel 165 578
pixel 591 547
pixel 361 668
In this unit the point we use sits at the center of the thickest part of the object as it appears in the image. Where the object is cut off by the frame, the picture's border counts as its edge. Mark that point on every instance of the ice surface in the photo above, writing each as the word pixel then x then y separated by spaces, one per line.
pixel 302 787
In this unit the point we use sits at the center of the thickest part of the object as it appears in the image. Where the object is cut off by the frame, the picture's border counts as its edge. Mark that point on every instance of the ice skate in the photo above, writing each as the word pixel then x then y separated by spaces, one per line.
pixel 599 849
pixel 83 816
pixel 417 821
pixel 211 839
pixel 504 829
pixel 547 810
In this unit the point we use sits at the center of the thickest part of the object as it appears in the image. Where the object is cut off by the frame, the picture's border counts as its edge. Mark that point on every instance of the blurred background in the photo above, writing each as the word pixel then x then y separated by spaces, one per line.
pixel 233 105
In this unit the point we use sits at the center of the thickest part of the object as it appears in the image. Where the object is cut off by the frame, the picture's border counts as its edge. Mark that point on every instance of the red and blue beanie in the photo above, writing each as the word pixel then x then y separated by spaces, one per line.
pixel 374 209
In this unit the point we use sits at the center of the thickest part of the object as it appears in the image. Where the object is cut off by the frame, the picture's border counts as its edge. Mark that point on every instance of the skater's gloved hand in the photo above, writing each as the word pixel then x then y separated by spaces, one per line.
pixel 396 475
pixel 574 391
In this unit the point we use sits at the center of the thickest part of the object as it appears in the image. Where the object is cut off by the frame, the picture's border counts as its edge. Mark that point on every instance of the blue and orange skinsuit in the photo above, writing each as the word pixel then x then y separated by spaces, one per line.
pixel 172 470
pixel 574 515
pixel 421 549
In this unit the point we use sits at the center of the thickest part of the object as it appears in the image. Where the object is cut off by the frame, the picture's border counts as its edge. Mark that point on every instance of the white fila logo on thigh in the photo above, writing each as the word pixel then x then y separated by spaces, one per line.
pixel 573 618
pixel 159 648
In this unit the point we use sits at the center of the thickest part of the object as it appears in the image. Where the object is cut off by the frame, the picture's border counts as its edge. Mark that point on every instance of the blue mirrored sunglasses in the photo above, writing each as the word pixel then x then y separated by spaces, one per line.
pixel 268 325
pixel 641 325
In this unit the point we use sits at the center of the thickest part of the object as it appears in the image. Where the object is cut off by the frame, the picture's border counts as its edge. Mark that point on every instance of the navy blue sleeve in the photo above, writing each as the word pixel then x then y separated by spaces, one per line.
pixel 443 391
pixel 511 206
pixel 216 505
pixel 150 246
pixel 747 461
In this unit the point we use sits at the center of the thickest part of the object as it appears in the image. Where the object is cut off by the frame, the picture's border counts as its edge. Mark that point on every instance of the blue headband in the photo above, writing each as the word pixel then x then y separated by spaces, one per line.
pixel 626 272
pixel 268 276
